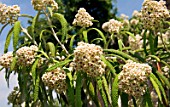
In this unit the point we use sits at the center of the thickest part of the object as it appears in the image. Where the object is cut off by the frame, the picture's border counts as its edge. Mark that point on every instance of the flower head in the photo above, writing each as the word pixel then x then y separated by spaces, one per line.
pixel 9 14
pixel 26 55
pixel 83 18
pixel 133 78
pixel 42 4
pixel 113 26
pixel 87 59
pixel 6 60
pixel 153 13
pixel 55 79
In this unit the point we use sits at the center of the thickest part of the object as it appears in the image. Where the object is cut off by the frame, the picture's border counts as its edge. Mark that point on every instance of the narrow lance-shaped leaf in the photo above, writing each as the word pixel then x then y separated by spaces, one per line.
pixel 33 70
pixel 17 29
pixel 8 39
pixel 36 88
pixel 52 48
pixel 112 69
pixel 164 79
pixel 114 93
pixel 64 24
pixel 147 101
pixel 100 86
pixel 151 44
pixel 106 87
pixel 14 61
pixel 59 64
pixel 78 102
pixel 120 53
pixel 156 87
pixel 85 36
pixel 120 43
pixel 160 87
pixel 100 33
pixel 92 94
pixel 72 41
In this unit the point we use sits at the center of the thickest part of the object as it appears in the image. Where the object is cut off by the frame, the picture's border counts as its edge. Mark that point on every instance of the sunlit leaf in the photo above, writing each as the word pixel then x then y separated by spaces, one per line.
pixel 8 39
pixel 52 48
pixel 17 30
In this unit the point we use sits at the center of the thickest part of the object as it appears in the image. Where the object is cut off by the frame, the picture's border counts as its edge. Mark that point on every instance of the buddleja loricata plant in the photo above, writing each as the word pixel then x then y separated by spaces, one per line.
pixel 125 64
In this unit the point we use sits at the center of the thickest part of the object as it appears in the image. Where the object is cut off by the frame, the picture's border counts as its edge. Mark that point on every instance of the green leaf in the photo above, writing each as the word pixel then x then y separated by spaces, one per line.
pixel 64 24
pixel 121 54
pixel 34 22
pixel 124 100
pixel 100 86
pixel 151 44
pixel 52 48
pixel 120 43
pixel 59 64
pixel 160 87
pixel 78 102
pixel 85 36
pixel 50 11
pixel 72 41
pixel 114 93
pixel 162 77
pixel 106 87
pixel 33 70
pixel 8 39
pixel 17 30
pixel 156 87
pixel 42 52
pixel 41 34
pixel 131 34
pixel 108 64
pixel 14 61
pixel 36 88
pixel 147 100
pixel 100 33
pixel 155 57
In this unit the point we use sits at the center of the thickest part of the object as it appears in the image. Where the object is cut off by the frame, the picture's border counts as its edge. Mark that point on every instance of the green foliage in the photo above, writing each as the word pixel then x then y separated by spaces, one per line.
pixel 56 39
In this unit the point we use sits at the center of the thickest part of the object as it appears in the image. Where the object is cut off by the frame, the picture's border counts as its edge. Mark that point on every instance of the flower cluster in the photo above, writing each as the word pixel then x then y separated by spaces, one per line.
pixel 15 96
pixel 133 78
pixel 9 14
pixel 113 26
pixel 26 55
pixel 42 4
pixel 87 59
pixel 135 43
pixel 83 18
pixel 6 60
pixel 55 79
pixel 153 13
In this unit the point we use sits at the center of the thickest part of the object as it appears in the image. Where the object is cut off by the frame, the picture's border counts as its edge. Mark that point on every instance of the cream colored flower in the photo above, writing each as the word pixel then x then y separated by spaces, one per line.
pixel 133 78
pixel 112 26
pixel 87 59
pixel 55 79
pixel 83 18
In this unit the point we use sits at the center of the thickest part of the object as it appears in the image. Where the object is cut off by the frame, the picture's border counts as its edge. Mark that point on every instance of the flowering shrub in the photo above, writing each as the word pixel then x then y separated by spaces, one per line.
pixel 125 63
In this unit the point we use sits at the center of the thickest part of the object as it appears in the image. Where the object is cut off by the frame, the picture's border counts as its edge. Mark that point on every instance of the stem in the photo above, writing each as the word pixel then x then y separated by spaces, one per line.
pixel 54 34
pixel 28 35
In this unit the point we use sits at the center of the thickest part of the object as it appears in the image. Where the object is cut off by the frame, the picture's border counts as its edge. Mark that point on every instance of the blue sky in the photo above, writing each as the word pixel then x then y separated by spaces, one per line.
pixel 124 7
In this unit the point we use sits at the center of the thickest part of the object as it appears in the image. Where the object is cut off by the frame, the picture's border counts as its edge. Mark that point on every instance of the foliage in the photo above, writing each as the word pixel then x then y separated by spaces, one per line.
pixel 45 53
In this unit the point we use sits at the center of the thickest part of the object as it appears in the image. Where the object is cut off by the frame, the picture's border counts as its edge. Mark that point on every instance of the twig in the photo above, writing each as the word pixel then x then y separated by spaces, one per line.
pixel 54 34
pixel 28 35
